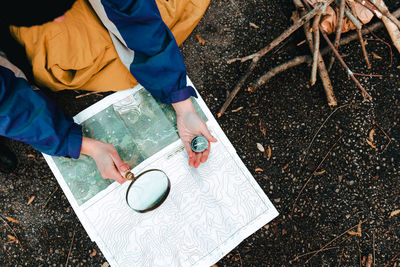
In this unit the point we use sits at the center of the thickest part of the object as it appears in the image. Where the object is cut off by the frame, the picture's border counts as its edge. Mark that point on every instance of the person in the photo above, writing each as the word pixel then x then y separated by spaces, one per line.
pixel 29 116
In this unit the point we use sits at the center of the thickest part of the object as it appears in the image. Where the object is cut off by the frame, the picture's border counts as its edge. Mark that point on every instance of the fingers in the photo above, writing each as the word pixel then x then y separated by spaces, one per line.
pixel 120 165
pixel 111 172
pixel 189 152
pixel 204 155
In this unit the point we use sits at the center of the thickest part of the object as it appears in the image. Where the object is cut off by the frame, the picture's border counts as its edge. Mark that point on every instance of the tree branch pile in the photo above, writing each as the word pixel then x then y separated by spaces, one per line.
pixel 320 18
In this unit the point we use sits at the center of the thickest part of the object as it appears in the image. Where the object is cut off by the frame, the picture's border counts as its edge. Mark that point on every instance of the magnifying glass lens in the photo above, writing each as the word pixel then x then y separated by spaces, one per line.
pixel 148 191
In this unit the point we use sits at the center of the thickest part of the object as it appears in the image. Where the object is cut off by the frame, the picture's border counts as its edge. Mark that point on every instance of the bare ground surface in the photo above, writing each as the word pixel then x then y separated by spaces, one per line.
pixel 355 182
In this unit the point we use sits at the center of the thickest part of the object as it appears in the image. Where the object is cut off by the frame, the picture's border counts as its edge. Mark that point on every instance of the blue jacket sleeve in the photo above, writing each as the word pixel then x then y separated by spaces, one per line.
pixel 31 117
pixel 158 64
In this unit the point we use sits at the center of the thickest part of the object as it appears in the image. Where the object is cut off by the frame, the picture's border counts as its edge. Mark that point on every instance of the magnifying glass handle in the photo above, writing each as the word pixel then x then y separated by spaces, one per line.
pixel 130 176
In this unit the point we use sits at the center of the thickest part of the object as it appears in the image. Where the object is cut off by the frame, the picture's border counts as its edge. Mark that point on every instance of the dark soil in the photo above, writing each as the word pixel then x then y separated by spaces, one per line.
pixel 355 183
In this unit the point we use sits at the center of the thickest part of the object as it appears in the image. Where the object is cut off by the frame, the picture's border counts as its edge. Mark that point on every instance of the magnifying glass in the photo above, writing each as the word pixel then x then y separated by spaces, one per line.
pixel 147 190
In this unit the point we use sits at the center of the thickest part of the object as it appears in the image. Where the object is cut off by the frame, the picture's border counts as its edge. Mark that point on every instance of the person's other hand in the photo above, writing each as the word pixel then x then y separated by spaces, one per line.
pixel 189 126
pixel 107 159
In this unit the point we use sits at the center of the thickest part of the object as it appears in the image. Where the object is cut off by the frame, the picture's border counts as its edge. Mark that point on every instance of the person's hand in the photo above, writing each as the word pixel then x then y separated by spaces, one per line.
pixel 107 159
pixel 189 126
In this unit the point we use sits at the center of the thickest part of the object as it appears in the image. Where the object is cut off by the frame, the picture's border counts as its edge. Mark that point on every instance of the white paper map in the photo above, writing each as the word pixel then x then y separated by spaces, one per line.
pixel 208 212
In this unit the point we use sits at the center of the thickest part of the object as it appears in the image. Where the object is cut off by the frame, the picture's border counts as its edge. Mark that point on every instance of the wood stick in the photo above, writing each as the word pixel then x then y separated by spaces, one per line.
pixel 307 59
pixel 393 31
pixel 381 6
pixel 316 53
pixel 70 247
pixel 322 71
pixel 363 49
pixel 280 68
pixel 256 56
pixel 339 27
pixel 313 173
pixel 364 92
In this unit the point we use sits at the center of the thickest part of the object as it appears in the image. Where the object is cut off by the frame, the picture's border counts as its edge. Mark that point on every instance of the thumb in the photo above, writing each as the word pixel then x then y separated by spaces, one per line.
pixel 121 165
pixel 206 133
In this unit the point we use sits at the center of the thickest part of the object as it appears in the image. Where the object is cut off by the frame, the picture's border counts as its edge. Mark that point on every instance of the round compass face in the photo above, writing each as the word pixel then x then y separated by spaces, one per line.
pixel 199 144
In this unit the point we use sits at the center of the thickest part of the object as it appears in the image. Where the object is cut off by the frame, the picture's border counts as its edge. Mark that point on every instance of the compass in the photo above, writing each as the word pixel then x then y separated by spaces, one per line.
pixel 199 143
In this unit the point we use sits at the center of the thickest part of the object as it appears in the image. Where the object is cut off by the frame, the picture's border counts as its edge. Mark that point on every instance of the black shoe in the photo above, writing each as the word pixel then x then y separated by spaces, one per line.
pixel 8 160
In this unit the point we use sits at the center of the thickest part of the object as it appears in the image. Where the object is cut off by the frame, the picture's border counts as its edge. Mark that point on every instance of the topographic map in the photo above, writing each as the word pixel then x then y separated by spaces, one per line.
pixel 208 211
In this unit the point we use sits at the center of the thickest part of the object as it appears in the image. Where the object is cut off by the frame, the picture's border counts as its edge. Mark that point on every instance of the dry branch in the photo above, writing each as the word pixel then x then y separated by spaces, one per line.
pixel 342 5
pixel 256 56
pixel 349 72
pixel 307 59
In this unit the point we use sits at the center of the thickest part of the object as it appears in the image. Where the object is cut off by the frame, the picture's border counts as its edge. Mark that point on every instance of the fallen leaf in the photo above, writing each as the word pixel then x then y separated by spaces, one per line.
pixel 31 156
pixel 13 239
pixel 269 152
pixel 374 55
pixel 370 143
pixel 31 199
pixel 369 261
pixel 394 213
pixel 364 259
pixel 12 220
pixel 254 25
pixel 285 167
pixel 200 39
pixel 356 233
pixel 236 110
pixel 398 67
pixel 260 147
pixel 251 90
pixel 371 135
pixel 258 170
pixel 94 252
pixel 320 172
pixel 262 129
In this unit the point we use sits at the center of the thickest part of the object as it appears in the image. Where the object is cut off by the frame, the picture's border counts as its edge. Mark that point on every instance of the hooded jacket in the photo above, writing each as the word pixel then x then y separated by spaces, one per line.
pixel 146 47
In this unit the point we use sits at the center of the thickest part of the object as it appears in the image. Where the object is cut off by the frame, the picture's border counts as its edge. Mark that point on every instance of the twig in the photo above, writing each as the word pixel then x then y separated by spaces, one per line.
pixel 307 59
pixel 12 230
pixel 369 261
pixel 323 73
pixel 87 94
pixel 393 31
pixel 359 252
pixel 368 75
pixel 311 252
pixel 386 43
pixel 333 240
pixel 70 247
pixel 371 7
pixel 256 56
pixel 48 198
pixel 364 92
pixel 338 30
pixel 381 6
pixel 319 129
pixel 313 173
pixel 316 53
pixel 395 257
pixel 387 136
pixel 364 50
pixel 280 68
pixel 373 246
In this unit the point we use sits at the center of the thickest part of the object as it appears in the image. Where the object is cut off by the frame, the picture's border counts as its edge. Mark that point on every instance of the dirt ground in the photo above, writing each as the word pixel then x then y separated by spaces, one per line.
pixel 356 182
